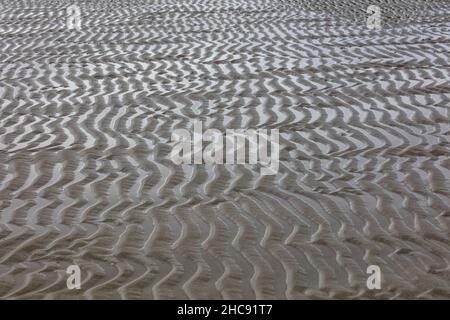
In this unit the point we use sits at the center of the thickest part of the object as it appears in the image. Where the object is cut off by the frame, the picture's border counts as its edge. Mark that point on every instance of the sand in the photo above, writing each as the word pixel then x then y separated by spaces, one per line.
pixel 85 135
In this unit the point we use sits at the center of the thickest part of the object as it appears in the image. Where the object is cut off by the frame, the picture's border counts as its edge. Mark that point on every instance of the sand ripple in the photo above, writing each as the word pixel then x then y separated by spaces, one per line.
pixel 85 124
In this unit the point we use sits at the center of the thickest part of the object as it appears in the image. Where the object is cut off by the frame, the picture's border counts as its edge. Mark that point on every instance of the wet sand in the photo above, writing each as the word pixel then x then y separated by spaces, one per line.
pixel 85 135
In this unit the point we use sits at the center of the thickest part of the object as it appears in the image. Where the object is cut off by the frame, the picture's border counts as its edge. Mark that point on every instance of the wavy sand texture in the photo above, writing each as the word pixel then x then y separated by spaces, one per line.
pixel 85 124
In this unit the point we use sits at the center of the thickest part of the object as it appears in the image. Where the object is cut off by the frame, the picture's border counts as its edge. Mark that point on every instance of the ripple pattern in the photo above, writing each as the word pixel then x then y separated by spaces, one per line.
pixel 85 124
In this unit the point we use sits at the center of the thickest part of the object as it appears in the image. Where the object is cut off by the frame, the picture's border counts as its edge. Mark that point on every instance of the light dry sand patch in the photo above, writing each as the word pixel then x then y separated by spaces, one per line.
pixel 86 119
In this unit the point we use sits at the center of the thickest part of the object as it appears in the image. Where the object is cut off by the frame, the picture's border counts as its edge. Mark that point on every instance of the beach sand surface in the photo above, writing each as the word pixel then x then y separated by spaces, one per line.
pixel 86 178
